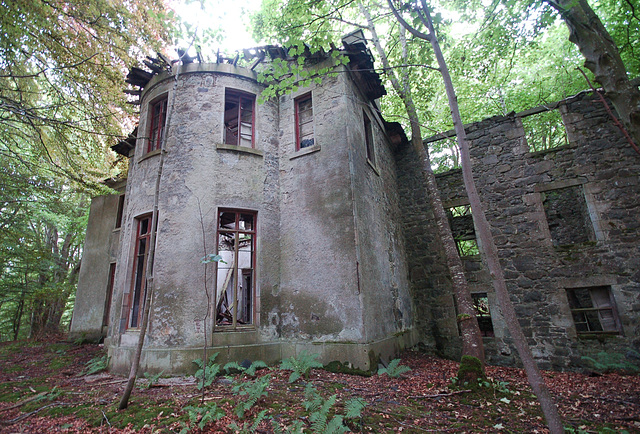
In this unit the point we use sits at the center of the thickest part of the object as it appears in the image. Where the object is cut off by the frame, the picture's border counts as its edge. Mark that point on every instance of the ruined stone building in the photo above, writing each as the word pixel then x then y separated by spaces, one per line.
pixel 317 208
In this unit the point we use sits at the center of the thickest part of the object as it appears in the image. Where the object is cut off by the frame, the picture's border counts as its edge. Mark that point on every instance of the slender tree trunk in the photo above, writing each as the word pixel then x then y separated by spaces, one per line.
pixel 487 244
pixel 603 59
pixel 471 339
pixel 150 283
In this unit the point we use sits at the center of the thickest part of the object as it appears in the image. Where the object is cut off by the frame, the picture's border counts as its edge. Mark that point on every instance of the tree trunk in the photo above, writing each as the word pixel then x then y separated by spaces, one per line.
pixel 603 59
pixel 488 246
pixel 470 331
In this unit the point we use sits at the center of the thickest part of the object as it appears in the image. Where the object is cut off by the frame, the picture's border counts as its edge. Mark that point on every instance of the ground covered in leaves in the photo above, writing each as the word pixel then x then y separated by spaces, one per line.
pixel 48 387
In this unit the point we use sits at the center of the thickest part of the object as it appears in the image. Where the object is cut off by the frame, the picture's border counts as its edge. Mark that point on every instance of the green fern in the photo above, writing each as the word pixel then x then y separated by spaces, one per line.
pixel 296 428
pixel 395 369
pixel 604 362
pixel 203 415
pixel 207 373
pixel 249 427
pixel 320 410
pixel 250 371
pixel 252 392
pixel 301 366
pixel 97 364
pixel 152 379
pixel 354 408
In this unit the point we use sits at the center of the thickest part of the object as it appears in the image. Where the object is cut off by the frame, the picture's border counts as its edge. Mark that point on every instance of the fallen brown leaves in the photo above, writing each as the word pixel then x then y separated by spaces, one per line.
pixel 420 401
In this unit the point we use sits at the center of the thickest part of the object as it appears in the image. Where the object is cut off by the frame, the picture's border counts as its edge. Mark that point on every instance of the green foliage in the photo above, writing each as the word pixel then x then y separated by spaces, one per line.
pixel 301 365
pixel 297 427
pixel 152 379
pixel 250 392
pixel 322 413
pixel 470 371
pixel 249 427
pixel 604 362
pixel 202 415
pixel 207 259
pixel 544 131
pixel 250 371
pixel 97 364
pixel 395 369
pixel 207 373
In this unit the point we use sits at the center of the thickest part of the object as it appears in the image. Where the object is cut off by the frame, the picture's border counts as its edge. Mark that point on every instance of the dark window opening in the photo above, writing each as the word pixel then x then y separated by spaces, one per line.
pixel 137 294
pixel 304 122
pixel 483 313
pixel 238 118
pixel 158 115
pixel 368 138
pixel 568 216
pixel 235 289
pixel 120 211
pixel 107 302
pixel 593 310
pixel 463 231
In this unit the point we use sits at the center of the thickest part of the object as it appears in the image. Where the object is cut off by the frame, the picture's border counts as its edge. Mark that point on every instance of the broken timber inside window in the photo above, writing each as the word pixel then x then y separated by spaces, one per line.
pixel 593 310
pixel 461 223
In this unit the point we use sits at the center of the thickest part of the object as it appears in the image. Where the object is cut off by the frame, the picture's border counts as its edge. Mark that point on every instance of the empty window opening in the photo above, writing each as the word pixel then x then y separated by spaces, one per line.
pixel 544 131
pixel 137 294
pixel 238 118
pixel 235 276
pixel 119 211
pixel 445 154
pixel 568 216
pixel 158 111
pixel 368 138
pixel 593 310
pixel 483 313
pixel 107 302
pixel 304 121
pixel 464 234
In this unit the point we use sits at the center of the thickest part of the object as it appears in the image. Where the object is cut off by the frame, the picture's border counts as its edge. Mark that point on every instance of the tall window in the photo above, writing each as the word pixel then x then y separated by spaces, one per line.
pixel 107 301
pixel 136 296
pixel 158 113
pixel 235 276
pixel 238 118
pixel 463 231
pixel 593 310
pixel 368 138
pixel 483 313
pixel 568 216
pixel 304 121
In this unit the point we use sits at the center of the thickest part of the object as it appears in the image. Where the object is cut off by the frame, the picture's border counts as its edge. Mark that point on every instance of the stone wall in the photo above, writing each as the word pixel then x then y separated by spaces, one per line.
pixel 565 222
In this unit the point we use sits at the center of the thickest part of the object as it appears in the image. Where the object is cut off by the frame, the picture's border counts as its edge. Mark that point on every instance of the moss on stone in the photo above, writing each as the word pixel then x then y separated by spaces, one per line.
pixel 471 371
pixel 343 368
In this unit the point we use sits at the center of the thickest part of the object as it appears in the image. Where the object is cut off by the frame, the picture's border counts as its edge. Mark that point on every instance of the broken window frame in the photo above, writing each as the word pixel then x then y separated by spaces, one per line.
pixel 368 139
pixel 139 281
pixel 235 126
pixel 237 282
pixel 304 121
pixel 483 314
pixel 467 245
pixel 109 295
pixel 119 211
pixel 157 120
pixel 606 320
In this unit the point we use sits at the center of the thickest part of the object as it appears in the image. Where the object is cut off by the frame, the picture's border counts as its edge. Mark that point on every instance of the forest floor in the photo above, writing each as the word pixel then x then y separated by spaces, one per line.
pixel 45 387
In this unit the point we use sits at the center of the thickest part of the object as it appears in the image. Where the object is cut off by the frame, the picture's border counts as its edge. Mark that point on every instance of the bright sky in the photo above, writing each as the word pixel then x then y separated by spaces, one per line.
pixel 231 18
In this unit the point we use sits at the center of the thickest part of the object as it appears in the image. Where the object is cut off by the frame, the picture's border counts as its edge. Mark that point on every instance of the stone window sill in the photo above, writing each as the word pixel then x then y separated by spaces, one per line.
pixel 240 149
pixel 305 151
pixel 149 155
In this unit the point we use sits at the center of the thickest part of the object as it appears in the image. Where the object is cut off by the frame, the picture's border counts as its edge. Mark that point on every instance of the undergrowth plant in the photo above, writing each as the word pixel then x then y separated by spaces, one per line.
pixel 206 372
pixel 300 366
pixel 394 369
pixel 152 379
pixel 201 416
pixel 322 413
pixel 250 371
pixel 249 427
pixel 97 364
pixel 251 391
pixel 604 362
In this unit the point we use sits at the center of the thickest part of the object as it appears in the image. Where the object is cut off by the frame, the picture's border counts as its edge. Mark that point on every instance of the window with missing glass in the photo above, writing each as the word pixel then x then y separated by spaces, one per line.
pixel 464 234
pixel 239 118
pixel 304 121
pixel 157 117
pixel 593 310
pixel 235 277
pixel 139 284
pixel 483 313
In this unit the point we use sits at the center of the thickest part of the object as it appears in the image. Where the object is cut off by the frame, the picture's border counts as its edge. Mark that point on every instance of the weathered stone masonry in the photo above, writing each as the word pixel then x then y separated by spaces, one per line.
pixel 565 221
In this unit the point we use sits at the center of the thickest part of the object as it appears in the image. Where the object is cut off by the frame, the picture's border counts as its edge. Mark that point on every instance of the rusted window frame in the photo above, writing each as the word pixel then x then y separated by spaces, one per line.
pixel 297 101
pixel 237 271
pixel 139 286
pixel 238 95
pixel 157 119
